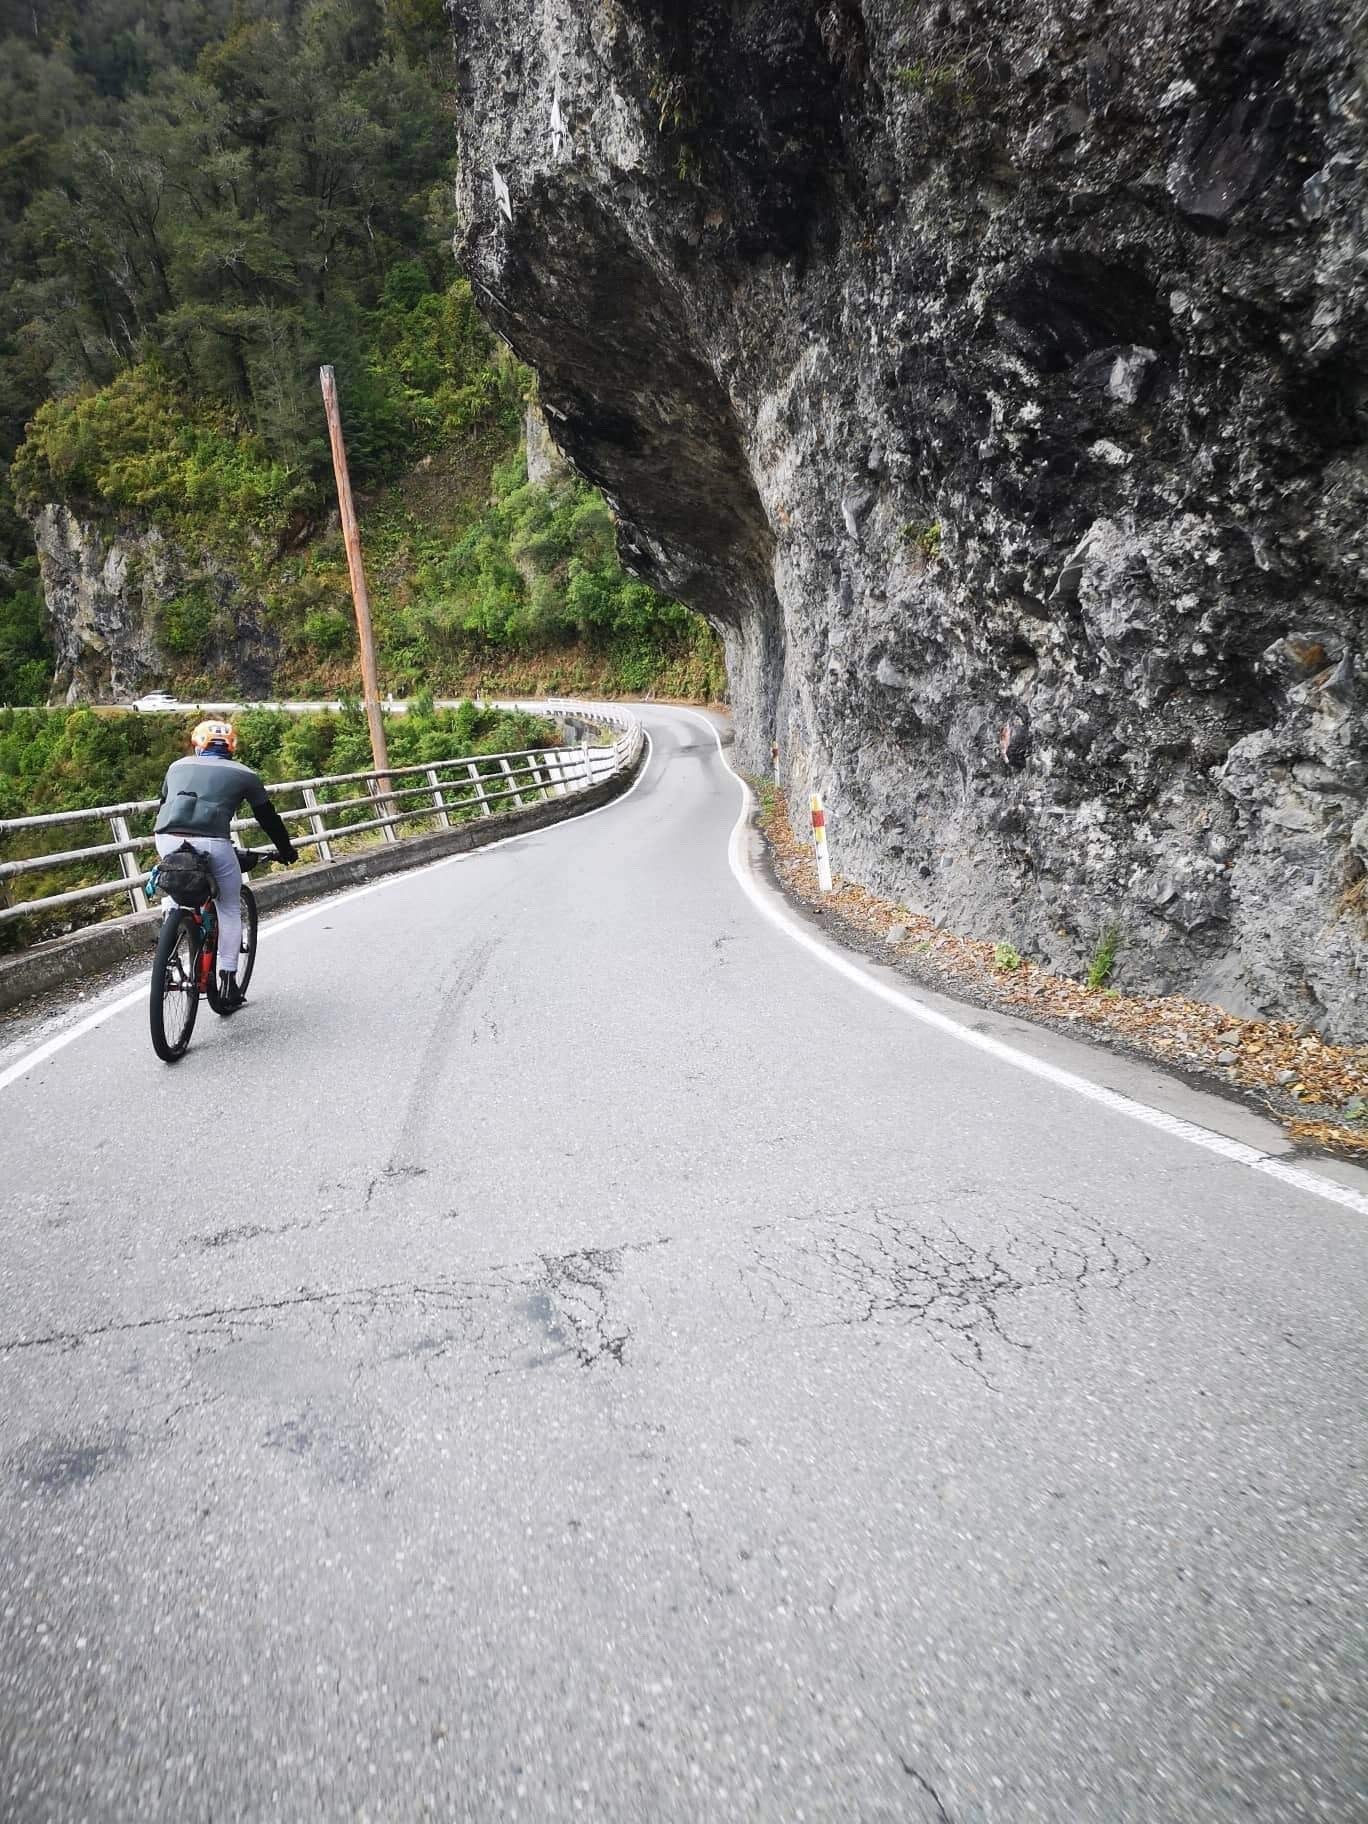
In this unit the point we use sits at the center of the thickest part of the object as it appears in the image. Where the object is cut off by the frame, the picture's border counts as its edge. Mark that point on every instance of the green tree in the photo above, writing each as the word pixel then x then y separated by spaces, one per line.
pixel 25 658
pixel 201 201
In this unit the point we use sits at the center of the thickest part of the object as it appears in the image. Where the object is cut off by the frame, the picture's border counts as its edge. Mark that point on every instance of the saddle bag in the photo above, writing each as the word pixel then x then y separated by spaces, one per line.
pixel 185 876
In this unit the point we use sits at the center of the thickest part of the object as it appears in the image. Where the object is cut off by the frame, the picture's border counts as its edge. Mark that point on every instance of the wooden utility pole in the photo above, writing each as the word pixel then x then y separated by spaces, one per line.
pixel 351 534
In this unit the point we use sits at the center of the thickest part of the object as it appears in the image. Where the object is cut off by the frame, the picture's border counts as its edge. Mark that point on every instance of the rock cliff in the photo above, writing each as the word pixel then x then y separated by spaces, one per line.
pixel 993 374
pixel 128 612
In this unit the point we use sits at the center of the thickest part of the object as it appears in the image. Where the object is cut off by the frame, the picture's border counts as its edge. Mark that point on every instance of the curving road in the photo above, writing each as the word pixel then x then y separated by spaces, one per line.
pixel 566 1352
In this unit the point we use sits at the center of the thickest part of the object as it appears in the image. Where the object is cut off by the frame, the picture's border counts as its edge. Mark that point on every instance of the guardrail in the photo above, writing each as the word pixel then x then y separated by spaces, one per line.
pixel 451 790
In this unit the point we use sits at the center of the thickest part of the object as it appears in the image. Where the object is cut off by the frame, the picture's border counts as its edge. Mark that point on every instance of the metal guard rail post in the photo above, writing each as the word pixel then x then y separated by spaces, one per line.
pixel 538 773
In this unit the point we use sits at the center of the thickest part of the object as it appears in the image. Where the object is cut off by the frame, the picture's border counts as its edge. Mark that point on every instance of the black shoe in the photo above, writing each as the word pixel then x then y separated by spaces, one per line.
pixel 229 993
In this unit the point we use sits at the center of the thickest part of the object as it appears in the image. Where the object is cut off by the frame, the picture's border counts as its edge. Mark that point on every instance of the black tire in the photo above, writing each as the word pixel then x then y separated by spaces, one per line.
pixel 175 998
pixel 246 956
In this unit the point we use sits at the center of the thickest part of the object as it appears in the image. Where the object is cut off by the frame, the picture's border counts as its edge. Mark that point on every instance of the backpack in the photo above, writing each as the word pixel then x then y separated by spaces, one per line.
pixel 185 876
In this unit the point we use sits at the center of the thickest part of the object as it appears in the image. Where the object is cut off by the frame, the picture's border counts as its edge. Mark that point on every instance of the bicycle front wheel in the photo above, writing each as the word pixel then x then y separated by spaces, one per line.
pixel 175 994
pixel 246 956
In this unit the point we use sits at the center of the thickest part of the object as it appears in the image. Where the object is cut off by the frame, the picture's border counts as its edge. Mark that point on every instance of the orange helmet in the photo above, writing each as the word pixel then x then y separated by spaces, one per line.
pixel 211 733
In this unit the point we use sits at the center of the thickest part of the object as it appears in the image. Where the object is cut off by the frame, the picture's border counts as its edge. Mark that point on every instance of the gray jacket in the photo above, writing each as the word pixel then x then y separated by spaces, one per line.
pixel 201 794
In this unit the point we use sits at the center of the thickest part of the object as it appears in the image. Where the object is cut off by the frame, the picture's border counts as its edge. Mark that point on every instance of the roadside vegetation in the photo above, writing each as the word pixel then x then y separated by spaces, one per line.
pixel 197 207
pixel 1103 959
pixel 63 759
pixel 57 760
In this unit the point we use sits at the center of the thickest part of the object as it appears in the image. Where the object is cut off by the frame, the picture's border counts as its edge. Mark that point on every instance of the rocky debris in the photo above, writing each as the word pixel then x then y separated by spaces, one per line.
pixel 979 368
pixel 126 608
pixel 1319 1091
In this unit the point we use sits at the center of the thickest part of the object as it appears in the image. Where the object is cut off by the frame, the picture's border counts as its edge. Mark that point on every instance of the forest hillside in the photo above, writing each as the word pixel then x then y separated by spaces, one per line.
pixel 199 204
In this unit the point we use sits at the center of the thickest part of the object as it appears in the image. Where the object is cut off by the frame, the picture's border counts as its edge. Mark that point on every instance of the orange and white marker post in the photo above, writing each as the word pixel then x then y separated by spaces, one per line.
pixel 819 842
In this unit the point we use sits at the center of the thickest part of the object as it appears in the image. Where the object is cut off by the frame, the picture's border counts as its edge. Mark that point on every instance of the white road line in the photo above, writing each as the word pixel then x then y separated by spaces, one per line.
pixel 272 927
pixel 41 1053
pixel 770 904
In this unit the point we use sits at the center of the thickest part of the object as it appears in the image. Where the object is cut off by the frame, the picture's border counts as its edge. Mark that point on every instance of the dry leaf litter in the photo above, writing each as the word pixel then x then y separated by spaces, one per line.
pixel 1318 1090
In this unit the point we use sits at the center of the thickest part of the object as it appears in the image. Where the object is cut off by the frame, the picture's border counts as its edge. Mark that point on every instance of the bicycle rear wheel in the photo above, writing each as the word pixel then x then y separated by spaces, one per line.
pixel 175 994
pixel 249 939
pixel 246 956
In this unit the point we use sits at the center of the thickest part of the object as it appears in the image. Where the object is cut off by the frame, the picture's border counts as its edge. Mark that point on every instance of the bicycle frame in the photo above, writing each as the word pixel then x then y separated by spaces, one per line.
pixel 205 919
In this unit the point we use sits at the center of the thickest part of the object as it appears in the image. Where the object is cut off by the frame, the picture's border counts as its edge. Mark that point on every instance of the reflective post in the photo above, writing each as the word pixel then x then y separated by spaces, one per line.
pixel 819 843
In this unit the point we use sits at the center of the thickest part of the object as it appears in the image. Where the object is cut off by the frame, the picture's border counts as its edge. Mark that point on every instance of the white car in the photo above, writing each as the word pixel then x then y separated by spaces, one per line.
pixel 157 699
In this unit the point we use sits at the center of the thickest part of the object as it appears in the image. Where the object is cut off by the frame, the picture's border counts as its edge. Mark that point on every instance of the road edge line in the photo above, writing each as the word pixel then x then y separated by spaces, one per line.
pixel 771 905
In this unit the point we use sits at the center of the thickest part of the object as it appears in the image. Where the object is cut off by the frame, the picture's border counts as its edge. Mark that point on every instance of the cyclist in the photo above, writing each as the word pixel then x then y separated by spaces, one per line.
pixel 200 797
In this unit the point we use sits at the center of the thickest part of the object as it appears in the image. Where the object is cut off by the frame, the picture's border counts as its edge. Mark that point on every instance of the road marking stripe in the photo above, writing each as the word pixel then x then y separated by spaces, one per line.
pixel 771 905
pixel 272 927
pixel 41 1053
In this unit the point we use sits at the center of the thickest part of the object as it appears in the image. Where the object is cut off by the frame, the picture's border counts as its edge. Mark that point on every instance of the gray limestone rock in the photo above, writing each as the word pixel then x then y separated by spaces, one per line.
pixel 1093 285
pixel 544 460
pixel 126 609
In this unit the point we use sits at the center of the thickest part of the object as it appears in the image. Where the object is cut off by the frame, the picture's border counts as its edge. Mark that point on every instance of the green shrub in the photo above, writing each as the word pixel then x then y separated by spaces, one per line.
pixel 186 624
pixel 936 81
pixel 926 536
pixel 141 444
pixel 329 633
pixel 1104 956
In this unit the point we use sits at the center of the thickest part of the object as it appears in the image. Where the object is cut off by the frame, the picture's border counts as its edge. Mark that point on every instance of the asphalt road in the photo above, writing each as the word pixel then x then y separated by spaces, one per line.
pixel 564 1352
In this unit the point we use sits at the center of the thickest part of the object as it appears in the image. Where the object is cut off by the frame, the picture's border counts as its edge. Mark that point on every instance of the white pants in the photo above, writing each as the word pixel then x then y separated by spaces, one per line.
pixel 222 858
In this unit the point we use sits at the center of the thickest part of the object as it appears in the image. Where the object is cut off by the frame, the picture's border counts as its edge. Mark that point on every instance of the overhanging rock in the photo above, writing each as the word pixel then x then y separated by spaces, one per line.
pixel 1015 359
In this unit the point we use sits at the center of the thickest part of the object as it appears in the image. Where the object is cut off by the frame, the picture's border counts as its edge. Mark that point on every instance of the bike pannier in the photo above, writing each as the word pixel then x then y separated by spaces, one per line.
pixel 185 876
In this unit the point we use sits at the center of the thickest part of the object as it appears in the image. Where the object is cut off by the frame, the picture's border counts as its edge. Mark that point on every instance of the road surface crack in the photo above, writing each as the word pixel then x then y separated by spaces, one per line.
pixel 571 1301
pixel 572 1294
pixel 921 1780
pixel 892 1263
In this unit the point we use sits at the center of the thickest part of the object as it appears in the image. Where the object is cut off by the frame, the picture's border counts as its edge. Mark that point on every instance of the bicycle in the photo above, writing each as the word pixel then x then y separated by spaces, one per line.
pixel 185 966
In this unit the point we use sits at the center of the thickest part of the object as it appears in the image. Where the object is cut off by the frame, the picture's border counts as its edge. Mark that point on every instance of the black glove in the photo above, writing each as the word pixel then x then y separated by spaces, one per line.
pixel 288 854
